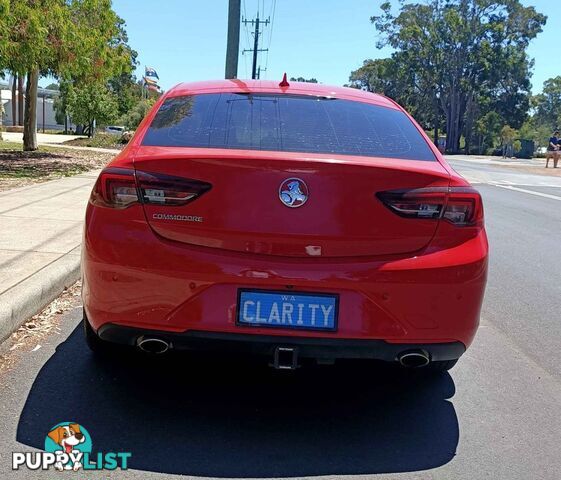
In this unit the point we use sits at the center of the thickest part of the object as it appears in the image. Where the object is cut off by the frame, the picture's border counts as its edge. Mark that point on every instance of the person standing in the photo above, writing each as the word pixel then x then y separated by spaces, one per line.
pixel 553 149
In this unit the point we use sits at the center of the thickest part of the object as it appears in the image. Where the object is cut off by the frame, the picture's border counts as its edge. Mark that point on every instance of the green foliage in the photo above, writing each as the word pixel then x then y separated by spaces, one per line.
pixel 173 111
pixel 392 78
pixel 463 58
pixel 134 116
pixel 508 134
pixel 92 102
pixel 533 130
pixel 37 36
pixel 82 42
pixel 548 104
pixel 302 79
pixel 488 128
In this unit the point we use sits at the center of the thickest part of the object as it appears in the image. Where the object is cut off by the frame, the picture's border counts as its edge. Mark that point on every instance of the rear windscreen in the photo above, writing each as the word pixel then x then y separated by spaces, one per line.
pixel 286 123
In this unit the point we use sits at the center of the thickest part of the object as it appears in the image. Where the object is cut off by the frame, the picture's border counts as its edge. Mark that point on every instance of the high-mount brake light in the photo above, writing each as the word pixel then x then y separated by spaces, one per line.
pixel 461 206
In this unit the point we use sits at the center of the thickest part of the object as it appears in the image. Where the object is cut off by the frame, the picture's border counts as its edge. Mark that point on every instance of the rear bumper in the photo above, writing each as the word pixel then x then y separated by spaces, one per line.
pixel 134 278
pixel 317 348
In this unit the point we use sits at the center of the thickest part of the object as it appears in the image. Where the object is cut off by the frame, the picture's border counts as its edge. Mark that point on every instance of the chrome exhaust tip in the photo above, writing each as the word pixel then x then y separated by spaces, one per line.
pixel 413 359
pixel 153 345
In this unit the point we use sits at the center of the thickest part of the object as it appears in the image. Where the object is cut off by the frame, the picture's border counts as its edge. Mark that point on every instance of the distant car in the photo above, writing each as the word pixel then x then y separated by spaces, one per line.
pixel 295 221
pixel 541 150
pixel 115 130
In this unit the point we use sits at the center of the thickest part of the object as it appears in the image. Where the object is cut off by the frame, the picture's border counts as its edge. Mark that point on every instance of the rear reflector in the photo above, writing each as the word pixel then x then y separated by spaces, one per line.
pixel 122 187
pixel 461 206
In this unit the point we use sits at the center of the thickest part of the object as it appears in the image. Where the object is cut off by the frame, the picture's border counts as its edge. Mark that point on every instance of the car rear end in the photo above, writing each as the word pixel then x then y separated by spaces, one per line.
pixel 292 222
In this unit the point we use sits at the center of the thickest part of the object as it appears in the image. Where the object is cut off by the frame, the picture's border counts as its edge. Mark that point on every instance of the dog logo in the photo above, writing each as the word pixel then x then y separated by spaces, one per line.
pixel 68 446
pixel 293 192
pixel 70 439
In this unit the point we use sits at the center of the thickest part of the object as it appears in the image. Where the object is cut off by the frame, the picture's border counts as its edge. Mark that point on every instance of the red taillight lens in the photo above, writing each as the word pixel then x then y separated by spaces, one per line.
pixel 160 189
pixel 122 187
pixel 461 206
pixel 464 207
pixel 115 188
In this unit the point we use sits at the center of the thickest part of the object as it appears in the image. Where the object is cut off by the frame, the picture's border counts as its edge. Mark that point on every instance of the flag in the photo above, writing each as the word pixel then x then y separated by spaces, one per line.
pixel 150 72
pixel 150 81
pixel 154 88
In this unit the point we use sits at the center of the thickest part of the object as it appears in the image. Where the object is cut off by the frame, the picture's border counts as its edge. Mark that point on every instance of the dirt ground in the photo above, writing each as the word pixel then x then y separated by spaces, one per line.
pixel 27 338
pixel 19 169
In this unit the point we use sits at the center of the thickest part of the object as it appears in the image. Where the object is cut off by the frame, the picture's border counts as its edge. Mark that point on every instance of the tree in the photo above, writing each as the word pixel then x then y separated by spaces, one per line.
pixel 134 116
pixel 302 79
pixel 37 40
pixel 548 104
pixel 533 130
pixel 488 129
pixel 78 40
pixel 392 78
pixel 90 103
pixel 463 51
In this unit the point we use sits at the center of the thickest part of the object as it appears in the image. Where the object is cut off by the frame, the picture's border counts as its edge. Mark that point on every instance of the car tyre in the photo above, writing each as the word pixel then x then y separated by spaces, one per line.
pixel 95 344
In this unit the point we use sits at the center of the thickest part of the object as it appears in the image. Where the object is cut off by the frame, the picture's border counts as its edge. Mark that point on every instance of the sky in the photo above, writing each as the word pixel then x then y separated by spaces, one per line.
pixel 185 40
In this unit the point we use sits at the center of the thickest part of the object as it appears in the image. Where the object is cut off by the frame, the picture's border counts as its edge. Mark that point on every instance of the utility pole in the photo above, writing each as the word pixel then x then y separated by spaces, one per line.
pixel 256 48
pixel 233 47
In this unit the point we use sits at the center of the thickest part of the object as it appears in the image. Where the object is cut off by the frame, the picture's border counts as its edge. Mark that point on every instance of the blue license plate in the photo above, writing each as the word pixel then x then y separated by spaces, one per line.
pixel 310 311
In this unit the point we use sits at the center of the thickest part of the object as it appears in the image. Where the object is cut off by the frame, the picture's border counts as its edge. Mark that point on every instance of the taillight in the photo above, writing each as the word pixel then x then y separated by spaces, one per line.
pixel 122 187
pixel 115 188
pixel 160 189
pixel 461 206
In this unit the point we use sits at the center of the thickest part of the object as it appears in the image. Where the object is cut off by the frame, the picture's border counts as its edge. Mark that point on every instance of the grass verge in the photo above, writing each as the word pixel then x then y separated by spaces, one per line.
pixel 99 140
pixel 19 169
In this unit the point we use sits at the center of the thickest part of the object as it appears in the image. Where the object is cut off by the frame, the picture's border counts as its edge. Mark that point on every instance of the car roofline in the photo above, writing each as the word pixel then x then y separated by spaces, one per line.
pixel 295 88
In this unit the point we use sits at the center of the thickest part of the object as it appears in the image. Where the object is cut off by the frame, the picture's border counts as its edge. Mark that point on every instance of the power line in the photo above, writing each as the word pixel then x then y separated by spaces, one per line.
pixel 256 34
pixel 272 15
pixel 248 41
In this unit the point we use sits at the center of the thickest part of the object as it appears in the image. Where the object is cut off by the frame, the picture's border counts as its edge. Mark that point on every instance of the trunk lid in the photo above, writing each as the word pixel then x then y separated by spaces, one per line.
pixel 243 211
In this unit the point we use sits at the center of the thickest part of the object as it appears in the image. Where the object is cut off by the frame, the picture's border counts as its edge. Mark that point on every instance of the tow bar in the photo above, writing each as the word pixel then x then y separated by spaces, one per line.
pixel 285 358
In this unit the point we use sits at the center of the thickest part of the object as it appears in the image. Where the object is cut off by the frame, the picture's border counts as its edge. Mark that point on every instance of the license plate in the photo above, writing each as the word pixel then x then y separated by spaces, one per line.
pixel 309 311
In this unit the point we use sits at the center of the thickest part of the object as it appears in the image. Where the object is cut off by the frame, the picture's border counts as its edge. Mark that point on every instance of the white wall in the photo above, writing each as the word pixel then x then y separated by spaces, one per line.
pixel 50 122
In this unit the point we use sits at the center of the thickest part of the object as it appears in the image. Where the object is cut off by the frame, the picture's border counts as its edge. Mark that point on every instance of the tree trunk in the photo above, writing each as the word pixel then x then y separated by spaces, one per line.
pixel 20 100
pixel 436 118
pixel 30 118
pixel 454 122
pixel 14 100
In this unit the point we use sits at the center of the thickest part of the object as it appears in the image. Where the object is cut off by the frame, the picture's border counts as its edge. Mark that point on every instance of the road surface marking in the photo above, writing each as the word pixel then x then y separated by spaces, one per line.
pixel 531 192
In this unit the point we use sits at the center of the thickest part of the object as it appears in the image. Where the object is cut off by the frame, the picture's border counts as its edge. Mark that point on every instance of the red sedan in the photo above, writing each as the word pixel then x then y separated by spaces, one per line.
pixel 297 221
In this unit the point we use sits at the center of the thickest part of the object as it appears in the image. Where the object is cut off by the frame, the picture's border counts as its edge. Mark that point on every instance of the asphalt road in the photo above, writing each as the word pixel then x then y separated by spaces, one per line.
pixel 495 415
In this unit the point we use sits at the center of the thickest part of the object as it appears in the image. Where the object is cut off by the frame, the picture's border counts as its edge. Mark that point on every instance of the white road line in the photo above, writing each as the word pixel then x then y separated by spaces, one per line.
pixel 531 192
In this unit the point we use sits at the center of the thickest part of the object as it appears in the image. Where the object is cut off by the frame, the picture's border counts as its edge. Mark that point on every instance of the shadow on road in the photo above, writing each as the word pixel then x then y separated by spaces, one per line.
pixel 233 418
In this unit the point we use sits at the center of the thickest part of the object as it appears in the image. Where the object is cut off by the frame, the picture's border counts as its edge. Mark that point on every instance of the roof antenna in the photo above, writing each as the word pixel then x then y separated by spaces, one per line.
pixel 284 82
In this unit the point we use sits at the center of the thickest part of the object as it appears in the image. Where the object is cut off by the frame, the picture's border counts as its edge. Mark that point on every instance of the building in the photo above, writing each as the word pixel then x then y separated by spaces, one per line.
pixel 45 112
